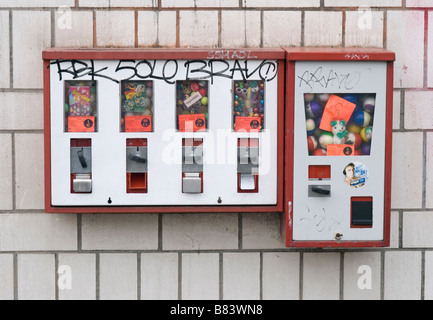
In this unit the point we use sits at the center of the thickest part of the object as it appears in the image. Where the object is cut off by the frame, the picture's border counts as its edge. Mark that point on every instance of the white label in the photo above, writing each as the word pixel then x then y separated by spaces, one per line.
pixel 193 99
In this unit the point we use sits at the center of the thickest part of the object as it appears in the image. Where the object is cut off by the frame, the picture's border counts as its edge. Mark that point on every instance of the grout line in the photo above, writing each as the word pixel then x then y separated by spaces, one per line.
pixel 179 276
pixel 422 287
pixel 11 54
pixel 343 29
pixel 14 183
pixel 424 170
pixel 98 277
pixel 240 242
pixel 136 28
pixel 15 266
pixel 342 275
pixel 56 276
pixel 426 27
pixel 261 276
pixel 221 275
pixel 382 275
pixel 138 276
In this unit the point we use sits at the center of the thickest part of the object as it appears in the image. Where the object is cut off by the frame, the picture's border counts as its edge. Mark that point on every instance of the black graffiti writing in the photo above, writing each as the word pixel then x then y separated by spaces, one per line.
pixel 329 79
pixel 167 71
pixel 79 69
pixel 146 69
pixel 202 70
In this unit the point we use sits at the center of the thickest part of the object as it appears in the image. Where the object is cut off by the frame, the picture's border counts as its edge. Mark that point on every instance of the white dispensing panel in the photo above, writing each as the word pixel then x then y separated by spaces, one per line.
pixel 323 193
pixel 340 109
pixel 168 132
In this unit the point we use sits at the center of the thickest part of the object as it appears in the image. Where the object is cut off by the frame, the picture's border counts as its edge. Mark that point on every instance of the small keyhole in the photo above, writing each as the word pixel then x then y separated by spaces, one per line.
pixel 338 236
pixel 109 200
pixel 219 200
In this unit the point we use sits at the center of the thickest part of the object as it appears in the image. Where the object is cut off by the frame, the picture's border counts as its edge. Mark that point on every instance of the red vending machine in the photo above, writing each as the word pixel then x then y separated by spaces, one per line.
pixel 164 130
pixel 338 147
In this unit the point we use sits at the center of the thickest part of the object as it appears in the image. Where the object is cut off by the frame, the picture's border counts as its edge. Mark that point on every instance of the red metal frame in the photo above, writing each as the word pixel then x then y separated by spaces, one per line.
pixel 164 54
pixel 334 54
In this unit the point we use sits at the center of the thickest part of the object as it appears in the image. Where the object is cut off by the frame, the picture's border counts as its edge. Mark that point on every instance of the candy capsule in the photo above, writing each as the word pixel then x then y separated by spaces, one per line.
pixel 319 152
pixel 311 126
pixel 325 139
pixel 195 86
pixel 369 104
pixel 362 119
pixel 365 149
pixel 204 101
pixel 366 134
pixel 312 143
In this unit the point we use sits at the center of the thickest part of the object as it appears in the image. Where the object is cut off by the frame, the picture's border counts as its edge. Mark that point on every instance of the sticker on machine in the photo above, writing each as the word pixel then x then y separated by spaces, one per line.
pixel 355 174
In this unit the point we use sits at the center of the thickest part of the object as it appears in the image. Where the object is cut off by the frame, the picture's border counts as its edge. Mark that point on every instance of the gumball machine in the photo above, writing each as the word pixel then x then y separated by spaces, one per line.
pixel 338 162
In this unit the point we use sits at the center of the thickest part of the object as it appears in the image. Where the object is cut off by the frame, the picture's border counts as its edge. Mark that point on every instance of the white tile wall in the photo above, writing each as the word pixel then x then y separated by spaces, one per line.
pixel 4 50
pixel 31 35
pixel 115 28
pixel 76 276
pixel 159 276
pixel 321 276
pixel 200 276
pixel 198 28
pixel 37 232
pixel 282 28
pixel 407 170
pixel 118 276
pixel 206 256
pixel 119 232
pixel 36 280
pixel 6 200
pixel 405 36
pixel 241 280
pixel 318 21
pixel 6 277
pixel 402 275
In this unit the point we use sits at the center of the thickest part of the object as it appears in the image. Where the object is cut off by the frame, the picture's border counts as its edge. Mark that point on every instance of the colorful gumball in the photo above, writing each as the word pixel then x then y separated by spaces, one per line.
pixel 362 119
pixel 366 134
pixel 195 86
pixel 354 128
pixel 203 92
pixel 369 104
pixel 323 97
pixel 311 126
pixel 355 138
pixel 315 108
pixel 357 152
pixel 308 97
pixel 350 98
pixel 312 143
pixel 365 149
pixel 319 152
pixel 325 139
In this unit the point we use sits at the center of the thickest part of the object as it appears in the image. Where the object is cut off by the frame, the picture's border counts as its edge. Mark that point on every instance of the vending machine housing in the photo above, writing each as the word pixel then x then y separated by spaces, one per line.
pixel 338 147
pixel 163 130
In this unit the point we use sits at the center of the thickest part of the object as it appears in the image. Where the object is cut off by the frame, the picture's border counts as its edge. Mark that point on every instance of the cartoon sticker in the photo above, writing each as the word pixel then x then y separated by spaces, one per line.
pixel 355 174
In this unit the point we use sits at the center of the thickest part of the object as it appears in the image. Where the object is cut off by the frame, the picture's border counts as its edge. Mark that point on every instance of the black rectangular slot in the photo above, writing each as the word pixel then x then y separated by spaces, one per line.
pixel 361 212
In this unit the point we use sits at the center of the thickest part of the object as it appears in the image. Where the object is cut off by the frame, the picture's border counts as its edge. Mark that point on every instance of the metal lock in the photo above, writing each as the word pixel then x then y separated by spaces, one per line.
pixel 192 168
pixel 81 168
pixel 136 159
pixel 248 168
